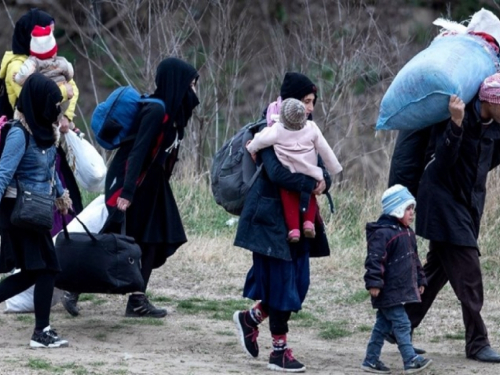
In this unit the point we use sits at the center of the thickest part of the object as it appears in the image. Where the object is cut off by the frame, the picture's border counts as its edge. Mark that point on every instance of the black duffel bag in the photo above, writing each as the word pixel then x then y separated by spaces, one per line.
pixel 107 263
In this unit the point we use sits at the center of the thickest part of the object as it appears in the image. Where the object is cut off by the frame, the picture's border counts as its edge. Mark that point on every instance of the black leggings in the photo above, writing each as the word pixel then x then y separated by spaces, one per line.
pixel 44 288
pixel 278 320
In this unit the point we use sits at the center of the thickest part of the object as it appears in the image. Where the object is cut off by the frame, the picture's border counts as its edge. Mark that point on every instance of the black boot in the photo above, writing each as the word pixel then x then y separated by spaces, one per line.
pixel 69 301
pixel 138 305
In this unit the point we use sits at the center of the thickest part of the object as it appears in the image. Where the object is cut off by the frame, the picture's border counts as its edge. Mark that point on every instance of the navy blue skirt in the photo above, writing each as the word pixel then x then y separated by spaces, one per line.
pixel 281 284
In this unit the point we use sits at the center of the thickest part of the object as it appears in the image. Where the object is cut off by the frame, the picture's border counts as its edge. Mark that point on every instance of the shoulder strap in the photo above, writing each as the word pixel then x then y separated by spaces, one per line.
pixel 146 99
pixel 25 132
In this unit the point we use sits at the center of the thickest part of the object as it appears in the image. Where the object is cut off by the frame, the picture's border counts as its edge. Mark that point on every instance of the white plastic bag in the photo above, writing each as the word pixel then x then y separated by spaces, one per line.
pixel 93 216
pixel 23 302
pixel 85 162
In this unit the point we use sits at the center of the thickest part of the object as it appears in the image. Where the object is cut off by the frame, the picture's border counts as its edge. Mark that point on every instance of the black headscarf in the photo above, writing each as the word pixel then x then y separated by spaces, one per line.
pixel 173 80
pixel 297 86
pixel 38 103
pixel 24 26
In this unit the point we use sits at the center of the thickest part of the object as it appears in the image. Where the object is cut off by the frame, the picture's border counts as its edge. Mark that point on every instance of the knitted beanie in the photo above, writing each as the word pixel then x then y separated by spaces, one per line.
pixel 297 86
pixel 396 200
pixel 490 89
pixel 293 114
pixel 43 44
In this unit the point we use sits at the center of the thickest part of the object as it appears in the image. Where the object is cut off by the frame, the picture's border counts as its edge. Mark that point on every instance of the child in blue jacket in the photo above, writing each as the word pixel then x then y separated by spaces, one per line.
pixel 394 277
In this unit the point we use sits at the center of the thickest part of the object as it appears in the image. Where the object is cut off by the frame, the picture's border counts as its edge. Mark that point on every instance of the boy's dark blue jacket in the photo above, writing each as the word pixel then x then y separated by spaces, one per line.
pixel 392 263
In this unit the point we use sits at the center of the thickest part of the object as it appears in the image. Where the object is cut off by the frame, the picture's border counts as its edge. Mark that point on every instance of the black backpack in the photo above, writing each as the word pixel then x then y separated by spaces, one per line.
pixel 5 107
pixel 233 171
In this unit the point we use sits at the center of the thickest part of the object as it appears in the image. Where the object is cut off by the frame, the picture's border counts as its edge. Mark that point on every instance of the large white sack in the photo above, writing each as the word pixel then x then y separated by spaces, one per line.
pixel 23 302
pixel 93 216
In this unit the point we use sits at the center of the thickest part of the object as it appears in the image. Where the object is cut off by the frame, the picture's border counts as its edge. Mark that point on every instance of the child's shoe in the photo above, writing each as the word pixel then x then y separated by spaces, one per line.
pixel 417 364
pixel 376 368
pixel 294 236
pixel 309 231
pixel 248 333
pixel 284 361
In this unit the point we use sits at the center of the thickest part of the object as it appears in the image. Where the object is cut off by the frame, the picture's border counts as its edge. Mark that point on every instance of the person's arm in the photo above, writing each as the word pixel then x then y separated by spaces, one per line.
pixel 12 69
pixel 265 138
pixel 282 177
pixel 25 70
pixel 448 144
pixel 70 112
pixel 15 145
pixel 325 151
pixel 150 126
pixel 375 260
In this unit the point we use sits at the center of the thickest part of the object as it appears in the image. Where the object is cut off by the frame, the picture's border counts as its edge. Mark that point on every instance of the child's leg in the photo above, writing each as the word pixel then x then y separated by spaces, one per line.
pixel 380 329
pixel 309 217
pixel 401 327
pixel 290 202
pixel 281 358
pixel 312 209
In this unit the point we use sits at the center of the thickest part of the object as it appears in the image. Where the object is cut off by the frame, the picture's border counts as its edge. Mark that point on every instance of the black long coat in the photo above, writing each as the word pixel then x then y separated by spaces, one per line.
pixel 153 216
pixel 262 227
pixel 452 189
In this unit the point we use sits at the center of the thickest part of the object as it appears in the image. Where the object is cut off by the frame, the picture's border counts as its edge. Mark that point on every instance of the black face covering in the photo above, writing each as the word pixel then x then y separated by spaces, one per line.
pixel 39 102
pixel 173 81
pixel 24 26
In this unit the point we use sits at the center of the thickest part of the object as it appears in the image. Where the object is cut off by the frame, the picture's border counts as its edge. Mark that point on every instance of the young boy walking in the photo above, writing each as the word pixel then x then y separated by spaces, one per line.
pixel 394 277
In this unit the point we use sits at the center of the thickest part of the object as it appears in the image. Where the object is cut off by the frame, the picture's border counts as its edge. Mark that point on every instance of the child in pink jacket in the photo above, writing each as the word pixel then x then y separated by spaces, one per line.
pixel 297 143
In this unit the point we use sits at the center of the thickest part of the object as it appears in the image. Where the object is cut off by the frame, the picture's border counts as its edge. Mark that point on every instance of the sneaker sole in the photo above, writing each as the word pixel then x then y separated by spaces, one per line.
pixel 374 371
pixel 309 233
pixel 37 345
pixel 236 321
pixel 274 367
pixel 415 370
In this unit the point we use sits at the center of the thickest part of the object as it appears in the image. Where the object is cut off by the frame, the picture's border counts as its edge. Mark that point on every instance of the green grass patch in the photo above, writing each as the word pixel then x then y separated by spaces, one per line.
pixel 87 297
pixel 219 310
pixel 455 336
pixel 304 319
pixel 365 328
pixel 144 321
pixel 39 364
pixel 161 299
pixel 357 297
pixel 25 318
pixel 334 330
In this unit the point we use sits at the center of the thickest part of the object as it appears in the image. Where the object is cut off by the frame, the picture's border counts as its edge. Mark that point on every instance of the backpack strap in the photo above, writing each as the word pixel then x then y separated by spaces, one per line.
pixel 25 132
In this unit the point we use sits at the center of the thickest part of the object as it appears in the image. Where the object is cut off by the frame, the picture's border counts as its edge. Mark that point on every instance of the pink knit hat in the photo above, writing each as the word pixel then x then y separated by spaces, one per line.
pixel 43 44
pixel 490 89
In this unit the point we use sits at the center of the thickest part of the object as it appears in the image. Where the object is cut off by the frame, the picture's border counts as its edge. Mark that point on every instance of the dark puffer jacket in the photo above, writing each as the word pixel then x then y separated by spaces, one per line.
pixel 392 263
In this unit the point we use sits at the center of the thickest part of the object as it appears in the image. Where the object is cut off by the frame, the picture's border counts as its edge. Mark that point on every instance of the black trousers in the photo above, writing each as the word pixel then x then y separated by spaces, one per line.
pixel 460 266
pixel 278 320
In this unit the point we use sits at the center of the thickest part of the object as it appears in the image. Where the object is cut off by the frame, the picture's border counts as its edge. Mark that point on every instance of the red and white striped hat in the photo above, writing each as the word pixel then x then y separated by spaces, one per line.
pixel 490 89
pixel 43 44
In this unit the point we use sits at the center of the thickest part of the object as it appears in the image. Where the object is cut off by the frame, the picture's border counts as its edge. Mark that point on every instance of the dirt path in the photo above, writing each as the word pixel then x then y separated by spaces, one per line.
pixel 201 287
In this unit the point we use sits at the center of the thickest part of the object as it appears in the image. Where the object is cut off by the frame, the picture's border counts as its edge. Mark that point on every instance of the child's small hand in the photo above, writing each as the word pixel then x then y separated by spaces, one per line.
pixel 374 292
pixel 421 289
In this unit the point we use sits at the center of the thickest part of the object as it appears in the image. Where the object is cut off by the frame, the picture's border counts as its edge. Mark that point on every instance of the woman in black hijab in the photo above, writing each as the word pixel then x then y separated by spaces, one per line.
pixel 280 274
pixel 23 28
pixel 137 182
pixel 32 163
